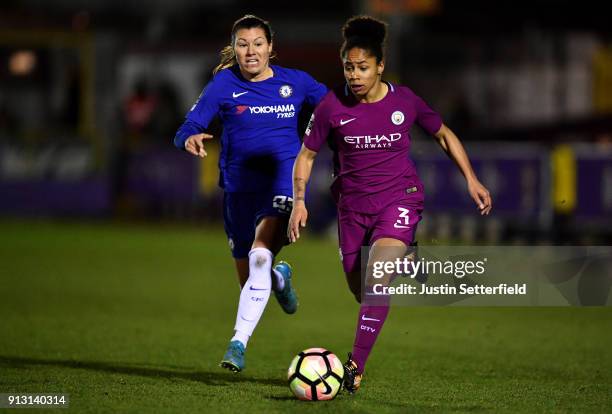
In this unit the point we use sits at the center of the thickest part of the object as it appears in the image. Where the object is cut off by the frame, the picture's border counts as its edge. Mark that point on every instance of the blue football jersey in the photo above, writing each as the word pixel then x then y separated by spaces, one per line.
pixel 260 125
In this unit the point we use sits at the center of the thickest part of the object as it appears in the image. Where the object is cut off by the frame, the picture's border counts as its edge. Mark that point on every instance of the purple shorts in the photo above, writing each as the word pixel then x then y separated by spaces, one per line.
pixel 398 220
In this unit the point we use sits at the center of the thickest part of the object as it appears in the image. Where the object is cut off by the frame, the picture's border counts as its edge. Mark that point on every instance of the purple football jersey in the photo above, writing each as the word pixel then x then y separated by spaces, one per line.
pixel 372 141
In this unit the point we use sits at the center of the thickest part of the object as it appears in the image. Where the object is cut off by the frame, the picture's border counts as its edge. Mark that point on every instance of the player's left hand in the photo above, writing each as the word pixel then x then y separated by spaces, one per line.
pixel 298 218
pixel 481 196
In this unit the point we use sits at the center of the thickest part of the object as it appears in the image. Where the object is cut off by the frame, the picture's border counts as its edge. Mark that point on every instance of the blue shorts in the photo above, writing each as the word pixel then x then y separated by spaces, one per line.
pixel 243 211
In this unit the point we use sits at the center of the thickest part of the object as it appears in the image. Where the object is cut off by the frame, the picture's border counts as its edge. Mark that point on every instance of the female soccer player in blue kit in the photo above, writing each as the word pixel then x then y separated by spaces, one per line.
pixel 378 192
pixel 258 105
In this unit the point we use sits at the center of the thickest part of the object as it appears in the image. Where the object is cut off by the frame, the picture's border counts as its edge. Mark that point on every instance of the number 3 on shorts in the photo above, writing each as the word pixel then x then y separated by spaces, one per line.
pixel 404 220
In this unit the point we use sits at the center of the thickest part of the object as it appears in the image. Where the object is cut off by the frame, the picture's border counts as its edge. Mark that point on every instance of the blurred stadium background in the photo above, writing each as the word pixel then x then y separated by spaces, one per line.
pixel 112 253
pixel 91 93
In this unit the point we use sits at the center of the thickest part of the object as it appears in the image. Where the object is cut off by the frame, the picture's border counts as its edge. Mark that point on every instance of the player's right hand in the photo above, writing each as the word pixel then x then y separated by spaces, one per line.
pixel 195 144
pixel 298 218
pixel 481 196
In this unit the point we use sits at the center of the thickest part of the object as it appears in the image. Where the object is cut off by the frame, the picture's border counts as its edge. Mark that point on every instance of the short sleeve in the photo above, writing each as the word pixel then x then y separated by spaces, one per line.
pixel 315 91
pixel 427 118
pixel 319 126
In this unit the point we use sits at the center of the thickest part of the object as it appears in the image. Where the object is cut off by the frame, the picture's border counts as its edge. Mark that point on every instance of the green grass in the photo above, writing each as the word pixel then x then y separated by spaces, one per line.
pixel 133 318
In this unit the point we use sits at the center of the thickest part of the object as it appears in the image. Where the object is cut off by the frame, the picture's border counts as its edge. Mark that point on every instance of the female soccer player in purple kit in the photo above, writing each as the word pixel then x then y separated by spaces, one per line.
pixel 378 192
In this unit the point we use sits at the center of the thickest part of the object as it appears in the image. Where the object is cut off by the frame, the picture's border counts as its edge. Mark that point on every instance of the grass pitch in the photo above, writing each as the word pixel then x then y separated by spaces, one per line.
pixel 136 319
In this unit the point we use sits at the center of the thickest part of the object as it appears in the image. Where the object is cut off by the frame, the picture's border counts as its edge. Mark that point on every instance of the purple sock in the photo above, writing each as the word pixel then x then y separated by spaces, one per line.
pixel 370 322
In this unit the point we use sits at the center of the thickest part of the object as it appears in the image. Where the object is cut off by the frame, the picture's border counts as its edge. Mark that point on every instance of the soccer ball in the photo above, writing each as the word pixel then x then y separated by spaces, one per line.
pixel 315 374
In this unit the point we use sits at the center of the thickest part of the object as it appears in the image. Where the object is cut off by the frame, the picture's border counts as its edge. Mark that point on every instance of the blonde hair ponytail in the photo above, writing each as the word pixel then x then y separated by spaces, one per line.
pixel 228 58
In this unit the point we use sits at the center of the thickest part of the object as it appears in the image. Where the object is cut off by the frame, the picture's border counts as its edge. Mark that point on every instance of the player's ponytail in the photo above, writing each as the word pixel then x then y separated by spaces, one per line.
pixel 228 58
pixel 366 33
pixel 248 21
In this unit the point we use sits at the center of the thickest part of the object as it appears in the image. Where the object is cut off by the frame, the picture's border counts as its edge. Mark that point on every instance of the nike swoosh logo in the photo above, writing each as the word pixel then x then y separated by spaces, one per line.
pixel 364 318
pixel 328 389
pixel 346 121
pixel 398 226
pixel 235 95
pixel 252 288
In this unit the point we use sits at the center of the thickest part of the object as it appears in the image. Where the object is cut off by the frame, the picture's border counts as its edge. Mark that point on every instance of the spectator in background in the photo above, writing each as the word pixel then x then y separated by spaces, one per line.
pixel 138 109
pixel 166 116
pixel 137 114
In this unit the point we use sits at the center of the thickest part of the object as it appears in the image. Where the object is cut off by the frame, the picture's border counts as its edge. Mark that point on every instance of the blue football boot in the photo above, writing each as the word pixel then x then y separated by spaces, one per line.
pixel 286 297
pixel 234 357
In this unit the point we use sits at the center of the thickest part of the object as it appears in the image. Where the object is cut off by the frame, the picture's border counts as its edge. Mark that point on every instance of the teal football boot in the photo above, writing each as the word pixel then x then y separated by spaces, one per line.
pixel 286 298
pixel 234 357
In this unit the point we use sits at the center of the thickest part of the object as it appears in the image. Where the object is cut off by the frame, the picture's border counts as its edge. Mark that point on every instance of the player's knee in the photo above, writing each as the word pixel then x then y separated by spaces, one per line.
pixel 260 257
pixel 260 264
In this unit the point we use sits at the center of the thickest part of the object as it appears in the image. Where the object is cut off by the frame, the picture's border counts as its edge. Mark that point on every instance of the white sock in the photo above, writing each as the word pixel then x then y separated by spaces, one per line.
pixel 280 281
pixel 242 337
pixel 255 293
